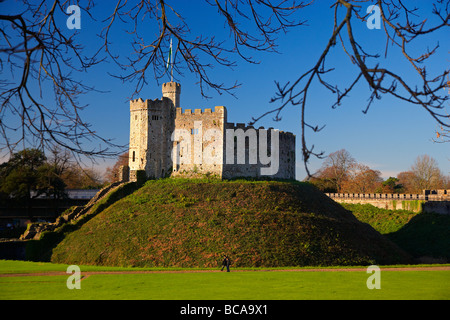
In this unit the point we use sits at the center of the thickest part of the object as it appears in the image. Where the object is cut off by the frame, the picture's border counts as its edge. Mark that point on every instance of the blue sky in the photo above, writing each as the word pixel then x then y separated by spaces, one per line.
pixel 388 138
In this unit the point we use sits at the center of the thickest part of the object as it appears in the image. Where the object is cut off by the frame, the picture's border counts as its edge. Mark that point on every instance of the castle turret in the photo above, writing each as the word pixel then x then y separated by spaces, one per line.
pixel 172 90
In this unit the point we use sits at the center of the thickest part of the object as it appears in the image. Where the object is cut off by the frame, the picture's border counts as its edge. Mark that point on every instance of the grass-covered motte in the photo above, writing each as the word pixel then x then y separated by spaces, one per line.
pixel 192 223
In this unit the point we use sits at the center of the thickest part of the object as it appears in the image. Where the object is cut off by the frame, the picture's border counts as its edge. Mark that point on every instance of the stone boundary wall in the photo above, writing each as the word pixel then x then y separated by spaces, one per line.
pixel 437 202
pixel 393 196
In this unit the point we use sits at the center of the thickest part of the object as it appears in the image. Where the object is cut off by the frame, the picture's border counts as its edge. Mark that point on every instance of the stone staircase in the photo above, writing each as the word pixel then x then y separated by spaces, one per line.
pixel 35 230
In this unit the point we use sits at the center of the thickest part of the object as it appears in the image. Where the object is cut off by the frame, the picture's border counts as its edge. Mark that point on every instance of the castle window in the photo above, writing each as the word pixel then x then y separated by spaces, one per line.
pixel 155 117
pixel 134 156
pixel 194 131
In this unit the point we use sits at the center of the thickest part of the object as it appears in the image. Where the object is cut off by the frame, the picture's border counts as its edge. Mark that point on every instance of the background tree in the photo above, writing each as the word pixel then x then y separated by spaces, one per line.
pixel 427 175
pixel 424 174
pixel 324 181
pixel 71 172
pixel 60 159
pixel 337 166
pixel 340 172
pixel 112 174
pixel 50 182
pixel 35 50
pixel 27 176
pixel 19 176
pixel 391 185
pixel 361 179
pixel 407 180
pixel 77 177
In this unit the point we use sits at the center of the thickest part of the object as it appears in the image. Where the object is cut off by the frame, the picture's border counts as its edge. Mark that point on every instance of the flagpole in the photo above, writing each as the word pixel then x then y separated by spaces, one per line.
pixel 171 61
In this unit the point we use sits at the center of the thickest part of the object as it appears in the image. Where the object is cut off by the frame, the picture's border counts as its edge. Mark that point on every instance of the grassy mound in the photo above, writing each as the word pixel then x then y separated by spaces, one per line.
pixel 191 223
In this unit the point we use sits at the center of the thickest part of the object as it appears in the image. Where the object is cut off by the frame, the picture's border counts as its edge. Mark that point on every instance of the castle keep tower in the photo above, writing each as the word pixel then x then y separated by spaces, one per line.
pixel 165 140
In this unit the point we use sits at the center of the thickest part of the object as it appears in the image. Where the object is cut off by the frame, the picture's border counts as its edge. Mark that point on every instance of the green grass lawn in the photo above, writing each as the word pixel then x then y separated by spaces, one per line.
pixel 238 284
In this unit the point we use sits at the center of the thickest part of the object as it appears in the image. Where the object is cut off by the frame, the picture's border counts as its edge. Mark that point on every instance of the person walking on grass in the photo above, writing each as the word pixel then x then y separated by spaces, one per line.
pixel 226 263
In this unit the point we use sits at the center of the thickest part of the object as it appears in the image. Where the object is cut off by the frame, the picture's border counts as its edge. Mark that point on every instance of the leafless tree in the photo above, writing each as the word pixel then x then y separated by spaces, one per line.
pixel 34 49
pixel 112 173
pixel 362 179
pixel 427 174
pixel 35 55
pixel 338 164
pixel 403 28
pixel 35 52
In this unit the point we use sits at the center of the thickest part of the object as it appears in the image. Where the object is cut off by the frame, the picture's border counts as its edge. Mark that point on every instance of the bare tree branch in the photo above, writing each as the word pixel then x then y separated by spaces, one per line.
pixel 34 44
pixel 36 54
pixel 400 30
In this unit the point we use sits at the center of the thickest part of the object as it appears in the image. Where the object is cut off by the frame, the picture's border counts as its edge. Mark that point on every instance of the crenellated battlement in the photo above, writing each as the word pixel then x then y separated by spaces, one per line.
pixel 172 90
pixel 171 87
pixel 187 112
pixel 238 125
pixel 140 104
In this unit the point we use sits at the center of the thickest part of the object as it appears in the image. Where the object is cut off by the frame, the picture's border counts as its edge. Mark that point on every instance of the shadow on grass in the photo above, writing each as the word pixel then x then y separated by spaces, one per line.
pixel 426 237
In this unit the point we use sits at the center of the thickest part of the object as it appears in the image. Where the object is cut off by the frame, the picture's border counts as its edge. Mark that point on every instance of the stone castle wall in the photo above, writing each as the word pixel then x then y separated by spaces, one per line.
pixel 261 156
pixel 198 146
pixel 438 201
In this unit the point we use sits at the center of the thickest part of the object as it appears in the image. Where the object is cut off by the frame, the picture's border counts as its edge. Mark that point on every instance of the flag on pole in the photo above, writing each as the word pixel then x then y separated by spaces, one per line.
pixel 170 61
